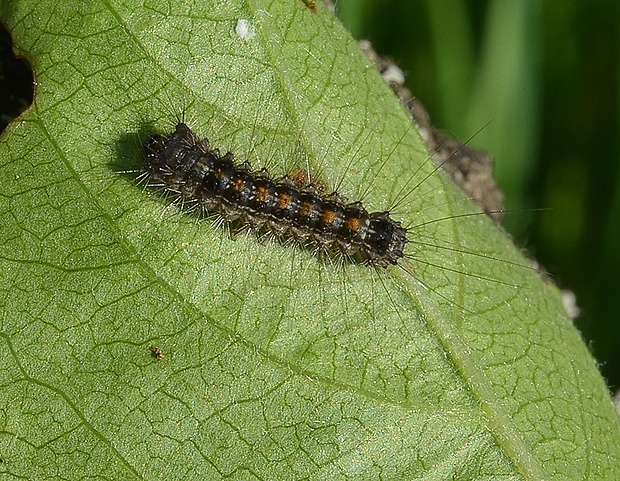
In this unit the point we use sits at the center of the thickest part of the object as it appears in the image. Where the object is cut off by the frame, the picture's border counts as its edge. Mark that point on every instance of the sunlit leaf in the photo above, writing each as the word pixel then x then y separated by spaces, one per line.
pixel 459 363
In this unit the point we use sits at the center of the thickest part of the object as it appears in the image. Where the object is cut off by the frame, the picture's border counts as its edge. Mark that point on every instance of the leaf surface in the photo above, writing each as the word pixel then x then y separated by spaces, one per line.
pixel 457 364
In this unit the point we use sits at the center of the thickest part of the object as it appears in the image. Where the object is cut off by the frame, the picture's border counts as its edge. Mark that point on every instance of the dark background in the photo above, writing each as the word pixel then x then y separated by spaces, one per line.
pixel 544 76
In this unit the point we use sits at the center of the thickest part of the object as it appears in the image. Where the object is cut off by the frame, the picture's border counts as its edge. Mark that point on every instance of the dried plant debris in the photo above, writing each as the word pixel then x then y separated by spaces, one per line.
pixel 470 169
pixel 157 352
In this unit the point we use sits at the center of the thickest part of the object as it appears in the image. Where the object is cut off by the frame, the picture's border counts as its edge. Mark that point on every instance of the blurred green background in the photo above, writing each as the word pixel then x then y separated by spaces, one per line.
pixel 545 74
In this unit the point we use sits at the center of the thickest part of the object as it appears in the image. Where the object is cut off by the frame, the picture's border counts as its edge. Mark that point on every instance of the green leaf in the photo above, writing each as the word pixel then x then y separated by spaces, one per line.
pixel 457 364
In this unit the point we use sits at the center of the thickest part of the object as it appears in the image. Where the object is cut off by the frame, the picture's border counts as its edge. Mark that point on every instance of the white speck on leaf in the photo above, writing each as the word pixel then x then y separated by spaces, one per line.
pixel 244 29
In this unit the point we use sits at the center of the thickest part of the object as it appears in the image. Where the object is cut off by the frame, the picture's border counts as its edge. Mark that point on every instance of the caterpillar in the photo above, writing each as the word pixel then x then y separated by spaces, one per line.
pixel 187 167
